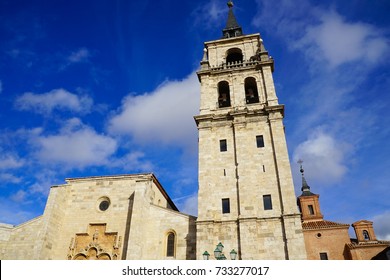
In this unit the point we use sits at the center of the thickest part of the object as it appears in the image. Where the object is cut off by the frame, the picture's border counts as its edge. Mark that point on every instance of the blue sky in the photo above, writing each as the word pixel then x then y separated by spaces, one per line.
pixel 109 87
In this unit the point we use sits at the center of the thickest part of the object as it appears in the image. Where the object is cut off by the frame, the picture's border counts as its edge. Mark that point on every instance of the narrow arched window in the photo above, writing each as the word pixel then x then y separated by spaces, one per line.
pixel 251 92
pixel 223 94
pixel 234 56
pixel 171 245
pixel 366 235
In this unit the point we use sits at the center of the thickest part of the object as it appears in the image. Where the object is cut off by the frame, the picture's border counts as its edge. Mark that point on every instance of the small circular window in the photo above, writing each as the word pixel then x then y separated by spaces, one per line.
pixel 103 203
pixel 319 235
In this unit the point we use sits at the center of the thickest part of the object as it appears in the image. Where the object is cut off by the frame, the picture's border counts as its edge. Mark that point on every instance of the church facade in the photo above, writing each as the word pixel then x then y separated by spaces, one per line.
pixel 246 198
pixel 105 217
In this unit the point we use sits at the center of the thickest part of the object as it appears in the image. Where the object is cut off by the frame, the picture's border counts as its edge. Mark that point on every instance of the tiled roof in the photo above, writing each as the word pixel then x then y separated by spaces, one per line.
pixel 354 245
pixel 322 224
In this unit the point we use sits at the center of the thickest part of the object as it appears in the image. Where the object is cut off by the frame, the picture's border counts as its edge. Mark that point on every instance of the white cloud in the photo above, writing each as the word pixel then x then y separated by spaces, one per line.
pixel 10 161
pixel 287 19
pixel 19 196
pixel 42 183
pixel 188 204
pixel 340 55
pixel 81 55
pixel 165 115
pixel 337 41
pixel 209 14
pixel 76 146
pixel 321 33
pixel 329 104
pixel 57 99
pixel 12 213
pixel 134 161
pixel 323 156
pixel 212 9
pixel 9 178
pixel 382 225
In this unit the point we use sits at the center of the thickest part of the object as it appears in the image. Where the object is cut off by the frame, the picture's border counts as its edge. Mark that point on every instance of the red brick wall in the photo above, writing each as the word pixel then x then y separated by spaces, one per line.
pixel 330 241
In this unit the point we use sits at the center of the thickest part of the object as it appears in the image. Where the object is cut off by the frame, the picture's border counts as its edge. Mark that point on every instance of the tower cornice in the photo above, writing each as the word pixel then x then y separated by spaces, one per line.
pixel 275 109
pixel 232 40
pixel 268 112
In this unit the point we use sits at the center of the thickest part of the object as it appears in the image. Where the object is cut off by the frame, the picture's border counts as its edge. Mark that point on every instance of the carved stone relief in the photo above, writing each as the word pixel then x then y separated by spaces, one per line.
pixel 96 244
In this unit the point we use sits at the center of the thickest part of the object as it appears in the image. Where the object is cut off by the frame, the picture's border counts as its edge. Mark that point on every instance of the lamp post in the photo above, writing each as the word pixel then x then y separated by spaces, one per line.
pixel 233 255
pixel 206 256
pixel 218 253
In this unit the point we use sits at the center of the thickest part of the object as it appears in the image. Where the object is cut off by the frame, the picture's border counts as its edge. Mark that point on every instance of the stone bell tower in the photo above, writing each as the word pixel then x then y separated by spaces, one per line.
pixel 246 196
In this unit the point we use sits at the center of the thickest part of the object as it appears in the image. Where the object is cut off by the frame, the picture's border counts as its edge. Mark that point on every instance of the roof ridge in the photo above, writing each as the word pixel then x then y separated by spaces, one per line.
pixel 322 224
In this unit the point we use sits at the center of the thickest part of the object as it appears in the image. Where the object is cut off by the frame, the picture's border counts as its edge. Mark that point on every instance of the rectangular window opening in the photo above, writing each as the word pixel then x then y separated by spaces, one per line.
pixel 267 201
pixel 311 209
pixel 225 206
pixel 323 256
pixel 223 145
pixel 259 141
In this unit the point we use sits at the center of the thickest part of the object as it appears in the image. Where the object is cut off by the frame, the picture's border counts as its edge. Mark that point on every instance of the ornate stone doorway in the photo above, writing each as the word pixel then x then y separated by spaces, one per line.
pixel 95 244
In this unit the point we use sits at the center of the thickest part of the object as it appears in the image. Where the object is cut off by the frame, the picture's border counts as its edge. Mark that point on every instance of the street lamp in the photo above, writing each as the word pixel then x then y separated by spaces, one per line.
pixel 218 253
pixel 233 254
pixel 220 246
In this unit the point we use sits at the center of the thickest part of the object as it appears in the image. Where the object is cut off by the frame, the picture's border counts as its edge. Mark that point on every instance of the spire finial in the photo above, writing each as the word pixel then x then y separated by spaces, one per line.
pixel 232 28
pixel 305 187
pixel 301 168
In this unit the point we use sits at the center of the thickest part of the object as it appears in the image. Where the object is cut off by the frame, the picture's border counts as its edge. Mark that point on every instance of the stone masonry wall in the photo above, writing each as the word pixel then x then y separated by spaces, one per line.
pixel 22 241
